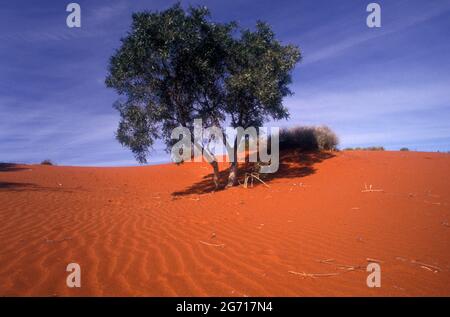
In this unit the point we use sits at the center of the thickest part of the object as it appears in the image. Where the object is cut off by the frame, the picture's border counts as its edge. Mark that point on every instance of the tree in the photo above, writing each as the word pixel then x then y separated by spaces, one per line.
pixel 259 75
pixel 176 66
pixel 170 68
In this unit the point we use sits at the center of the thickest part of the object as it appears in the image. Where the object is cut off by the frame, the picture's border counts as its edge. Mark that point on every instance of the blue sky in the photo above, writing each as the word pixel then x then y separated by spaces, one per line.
pixel 385 86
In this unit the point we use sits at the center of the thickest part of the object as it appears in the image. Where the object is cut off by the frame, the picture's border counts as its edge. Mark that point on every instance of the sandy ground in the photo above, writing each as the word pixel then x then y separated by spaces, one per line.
pixel 160 231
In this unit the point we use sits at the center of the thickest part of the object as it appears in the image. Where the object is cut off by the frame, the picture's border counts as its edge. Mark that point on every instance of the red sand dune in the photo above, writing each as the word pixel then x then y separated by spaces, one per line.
pixel 153 231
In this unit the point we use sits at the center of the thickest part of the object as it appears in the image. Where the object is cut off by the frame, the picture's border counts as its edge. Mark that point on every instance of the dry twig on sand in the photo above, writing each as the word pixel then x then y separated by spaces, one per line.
pixel 212 244
pixel 423 265
pixel 350 267
pixel 429 266
pixel 327 261
pixel 252 177
pixel 342 266
pixel 369 189
pixel 313 275
pixel 374 260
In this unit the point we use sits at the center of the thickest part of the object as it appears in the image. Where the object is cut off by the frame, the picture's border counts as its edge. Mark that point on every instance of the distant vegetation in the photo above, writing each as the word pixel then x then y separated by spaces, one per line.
pixel 320 138
pixel 47 162
pixel 405 149
pixel 369 148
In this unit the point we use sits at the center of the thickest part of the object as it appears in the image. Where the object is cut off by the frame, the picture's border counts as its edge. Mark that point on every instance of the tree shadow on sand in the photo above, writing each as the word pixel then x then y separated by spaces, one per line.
pixel 10 186
pixel 293 164
pixel 20 187
pixel 10 167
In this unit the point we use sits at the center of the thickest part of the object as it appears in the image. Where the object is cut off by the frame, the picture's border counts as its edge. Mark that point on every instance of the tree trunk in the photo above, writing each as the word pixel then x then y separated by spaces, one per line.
pixel 215 166
pixel 232 177
pixel 213 163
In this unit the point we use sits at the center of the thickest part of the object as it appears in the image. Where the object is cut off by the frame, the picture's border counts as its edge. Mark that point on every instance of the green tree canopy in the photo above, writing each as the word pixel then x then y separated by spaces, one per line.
pixel 259 76
pixel 175 66
pixel 170 68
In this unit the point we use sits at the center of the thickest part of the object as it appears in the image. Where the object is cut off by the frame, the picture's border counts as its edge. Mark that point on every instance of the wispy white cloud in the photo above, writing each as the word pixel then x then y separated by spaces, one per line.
pixel 96 21
pixel 333 46
pixel 353 105
pixel 107 13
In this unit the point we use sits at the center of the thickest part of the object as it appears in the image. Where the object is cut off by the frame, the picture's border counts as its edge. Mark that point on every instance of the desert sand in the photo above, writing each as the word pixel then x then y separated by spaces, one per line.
pixel 161 231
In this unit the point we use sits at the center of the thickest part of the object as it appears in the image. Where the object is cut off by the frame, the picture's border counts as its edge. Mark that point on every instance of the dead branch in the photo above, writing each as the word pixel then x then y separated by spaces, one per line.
pixel 313 275
pixel 369 189
pixel 252 177
pixel 374 260
pixel 427 265
pixel 212 244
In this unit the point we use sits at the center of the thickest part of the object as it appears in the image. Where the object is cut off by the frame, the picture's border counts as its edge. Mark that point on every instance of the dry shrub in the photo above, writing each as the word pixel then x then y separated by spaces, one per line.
pixel 47 162
pixel 320 138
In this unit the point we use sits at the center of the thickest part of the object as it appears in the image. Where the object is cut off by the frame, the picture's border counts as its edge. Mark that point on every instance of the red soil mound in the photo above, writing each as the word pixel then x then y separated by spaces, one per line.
pixel 159 230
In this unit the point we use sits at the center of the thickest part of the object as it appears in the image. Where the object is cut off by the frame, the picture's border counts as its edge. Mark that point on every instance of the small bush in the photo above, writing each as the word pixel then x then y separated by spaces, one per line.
pixel 308 138
pixel 47 162
pixel 374 148
pixel 404 149
pixel 327 140
pixel 369 148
